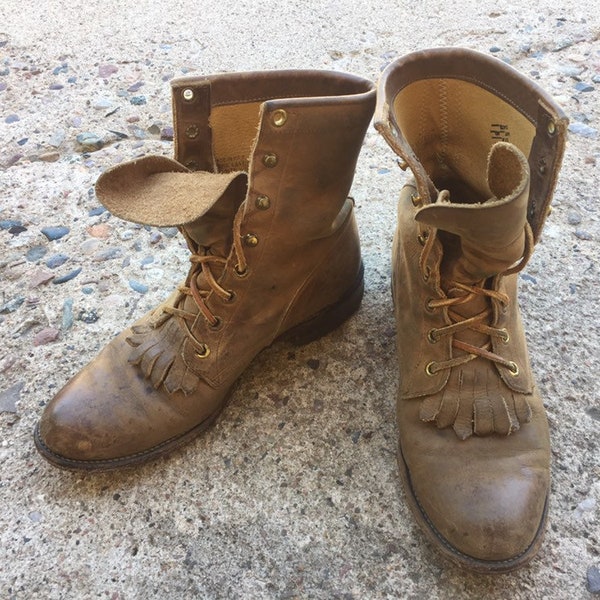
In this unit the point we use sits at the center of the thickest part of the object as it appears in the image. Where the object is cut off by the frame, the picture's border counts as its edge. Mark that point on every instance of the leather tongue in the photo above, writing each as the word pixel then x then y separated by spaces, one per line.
pixel 485 238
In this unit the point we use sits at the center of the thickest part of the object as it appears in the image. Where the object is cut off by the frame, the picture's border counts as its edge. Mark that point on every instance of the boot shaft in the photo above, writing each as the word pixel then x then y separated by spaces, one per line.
pixel 442 110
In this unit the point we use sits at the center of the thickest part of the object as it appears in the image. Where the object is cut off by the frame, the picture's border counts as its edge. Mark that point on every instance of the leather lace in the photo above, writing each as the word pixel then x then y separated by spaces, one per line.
pixel 478 322
pixel 202 264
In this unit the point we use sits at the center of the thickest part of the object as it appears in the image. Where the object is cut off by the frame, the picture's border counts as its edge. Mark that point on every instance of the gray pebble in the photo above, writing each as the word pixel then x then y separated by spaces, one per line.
pixel 108 254
pixel 593 579
pixel 56 86
pixel 94 212
pixel 87 290
pixel 583 235
pixel 138 100
pixel 3 86
pixel 90 245
pixel 169 232
pixel 57 138
pixel 36 253
pixel 12 119
pixel 495 49
pixel 102 103
pixel 154 129
pixel 89 141
pixel 67 314
pixel 12 305
pixel 596 78
pixel 583 130
pixel 136 286
pixel 126 235
pixel 574 218
pixel 562 44
pixel 88 316
pixel 10 397
pixel 67 277
pixel 527 277
pixel 155 237
pixel 135 87
pixel 581 86
pixel 167 133
pixel 147 260
pixel 8 223
pixel 55 233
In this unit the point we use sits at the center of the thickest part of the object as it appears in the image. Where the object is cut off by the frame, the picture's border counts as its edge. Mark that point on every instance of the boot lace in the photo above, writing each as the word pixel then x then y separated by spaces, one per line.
pixel 203 263
pixel 478 322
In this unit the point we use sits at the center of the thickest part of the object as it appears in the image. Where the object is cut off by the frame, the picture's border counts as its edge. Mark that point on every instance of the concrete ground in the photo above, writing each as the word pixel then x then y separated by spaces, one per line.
pixel 295 492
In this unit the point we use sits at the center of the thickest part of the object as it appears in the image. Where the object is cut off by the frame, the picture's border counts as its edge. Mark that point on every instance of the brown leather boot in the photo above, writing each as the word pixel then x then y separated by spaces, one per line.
pixel 484 145
pixel 264 163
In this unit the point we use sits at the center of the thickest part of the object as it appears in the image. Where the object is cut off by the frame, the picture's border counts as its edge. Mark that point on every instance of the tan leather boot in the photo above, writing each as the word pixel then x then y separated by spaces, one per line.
pixel 484 145
pixel 264 163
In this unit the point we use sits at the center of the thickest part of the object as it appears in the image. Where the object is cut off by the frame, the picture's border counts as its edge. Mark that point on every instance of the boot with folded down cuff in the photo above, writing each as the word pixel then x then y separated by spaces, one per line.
pixel 484 145
pixel 259 189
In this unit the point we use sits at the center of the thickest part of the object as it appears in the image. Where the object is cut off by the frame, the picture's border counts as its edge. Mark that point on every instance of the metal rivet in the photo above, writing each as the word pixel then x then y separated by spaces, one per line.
pixel 188 94
pixel 263 202
pixel 192 131
pixel 551 128
pixel 270 160
pixel 279 117
pixel 251 239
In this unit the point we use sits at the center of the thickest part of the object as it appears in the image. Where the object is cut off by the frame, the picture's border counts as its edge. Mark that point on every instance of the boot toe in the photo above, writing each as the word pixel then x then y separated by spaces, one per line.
pixel 487 514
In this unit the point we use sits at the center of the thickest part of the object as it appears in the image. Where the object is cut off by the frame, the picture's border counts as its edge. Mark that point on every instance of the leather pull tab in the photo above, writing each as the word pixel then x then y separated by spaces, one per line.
pixel 159 191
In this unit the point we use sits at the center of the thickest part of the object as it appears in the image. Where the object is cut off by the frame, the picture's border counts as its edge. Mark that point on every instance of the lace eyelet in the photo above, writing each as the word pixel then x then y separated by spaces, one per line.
pixel 505 336
pixel 231 297
pixel 513 369
pixel 422 237
pixel 240 272
pixel 428 306
pixel 204 352
pixel 429 369
pixel 431 337
pixel 217 324
pixel 426 273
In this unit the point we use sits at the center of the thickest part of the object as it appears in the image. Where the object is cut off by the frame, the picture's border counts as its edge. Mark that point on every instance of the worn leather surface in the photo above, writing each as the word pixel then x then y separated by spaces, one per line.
pixel 170 374
pixel 473 436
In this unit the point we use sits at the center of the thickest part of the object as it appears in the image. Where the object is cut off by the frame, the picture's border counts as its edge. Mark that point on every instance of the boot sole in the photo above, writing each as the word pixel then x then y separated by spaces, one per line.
pixel 460 559
pixel 314 328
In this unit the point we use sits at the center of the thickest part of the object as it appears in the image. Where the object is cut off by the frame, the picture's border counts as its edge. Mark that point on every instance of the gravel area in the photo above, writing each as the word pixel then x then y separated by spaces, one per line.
pixel 295 492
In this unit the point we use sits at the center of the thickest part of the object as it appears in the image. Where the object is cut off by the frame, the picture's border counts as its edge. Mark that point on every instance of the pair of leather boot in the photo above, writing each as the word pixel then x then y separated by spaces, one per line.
pixel 258 188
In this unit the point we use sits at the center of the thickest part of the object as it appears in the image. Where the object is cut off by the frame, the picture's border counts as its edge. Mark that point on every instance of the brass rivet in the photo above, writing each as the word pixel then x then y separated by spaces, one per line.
pixel 188 94
pixel 551 128
pixel 251 239
pixel 415 199
pixel 203 352
pixel 192 131
pixel 513 369
pixel 270 160
pixel 279 117
pixel 263 202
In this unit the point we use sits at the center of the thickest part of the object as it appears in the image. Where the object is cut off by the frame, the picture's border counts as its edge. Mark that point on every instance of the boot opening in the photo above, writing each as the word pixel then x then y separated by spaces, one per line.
pixel 451 125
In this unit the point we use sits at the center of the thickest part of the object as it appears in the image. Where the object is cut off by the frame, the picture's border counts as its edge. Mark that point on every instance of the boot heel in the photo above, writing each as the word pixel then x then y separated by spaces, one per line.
pixel 329 318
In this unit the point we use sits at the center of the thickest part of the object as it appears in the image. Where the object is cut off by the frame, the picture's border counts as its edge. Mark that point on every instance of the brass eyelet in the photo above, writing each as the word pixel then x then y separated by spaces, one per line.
pixel 231 297
pixel 505 336
pixel 240 272
pixel 429 369
pixel 279 117
pixel 426 273
pixel 423 237
pixel 415 199
pixel 431 337
pixel 203 352
pixel 428 306
pixel 513 368
pixel 217 324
